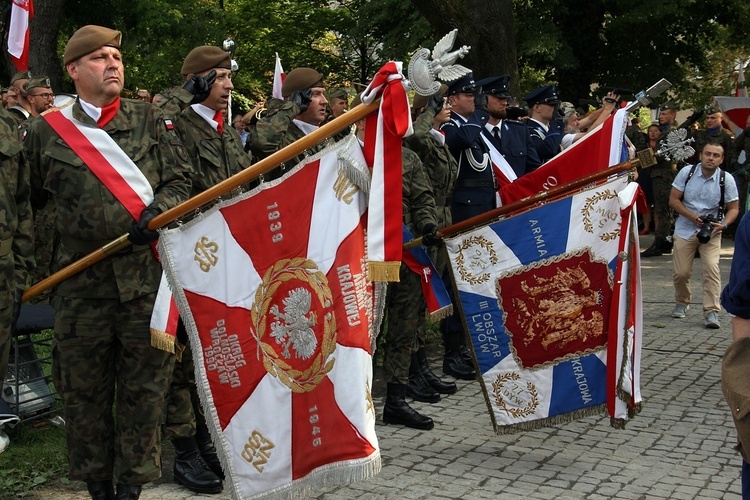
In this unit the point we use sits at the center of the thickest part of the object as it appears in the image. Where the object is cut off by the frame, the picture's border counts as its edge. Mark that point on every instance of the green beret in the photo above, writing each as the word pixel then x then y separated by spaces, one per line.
pixel 21 75
pixel 338 94
pixel 301 79
pixel 712 110
pixel 668 105
pixel 37 81
pixel 205 58
pixel 88 39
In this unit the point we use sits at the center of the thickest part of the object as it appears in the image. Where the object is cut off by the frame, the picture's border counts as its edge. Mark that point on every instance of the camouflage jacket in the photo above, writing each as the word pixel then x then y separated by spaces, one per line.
pixel 722 136
pixel 89 215
pixel 16 220
pixel 274 132
pixel 439 164
pixel 418 202
pixel 215 157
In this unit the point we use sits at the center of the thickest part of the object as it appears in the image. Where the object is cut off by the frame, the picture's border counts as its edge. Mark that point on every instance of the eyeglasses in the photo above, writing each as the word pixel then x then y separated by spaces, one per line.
pixel 46 95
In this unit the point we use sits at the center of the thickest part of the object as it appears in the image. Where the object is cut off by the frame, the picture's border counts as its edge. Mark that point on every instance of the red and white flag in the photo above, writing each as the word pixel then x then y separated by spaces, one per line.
pixel 736 111
pixel 282 314
pixel 278 78
pixel 603 147
pixel 21 14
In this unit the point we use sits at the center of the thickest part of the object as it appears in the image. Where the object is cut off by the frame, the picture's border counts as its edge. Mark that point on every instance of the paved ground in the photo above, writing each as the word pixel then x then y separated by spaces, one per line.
pixel 680 446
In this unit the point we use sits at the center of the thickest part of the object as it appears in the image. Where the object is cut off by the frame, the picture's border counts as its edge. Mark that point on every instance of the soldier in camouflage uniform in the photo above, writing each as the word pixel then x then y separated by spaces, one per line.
pixel 442 169
pixel 40 96
pixel 21 110
pixel 111 380
pixel 218 153
pixel 741 166
pixel 302 112
pixel 715 133
pixel 15 232
pixel 404 296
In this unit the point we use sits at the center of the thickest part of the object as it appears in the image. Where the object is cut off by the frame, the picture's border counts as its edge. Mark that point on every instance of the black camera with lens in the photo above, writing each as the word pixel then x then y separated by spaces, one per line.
pixel 704 235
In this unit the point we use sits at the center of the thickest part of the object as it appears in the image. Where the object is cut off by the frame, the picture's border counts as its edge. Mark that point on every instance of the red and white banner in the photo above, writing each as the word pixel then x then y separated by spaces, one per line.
pixel 601 148
pixel 21 13
pixel 282 314
pixel 278 78
pixel 736 111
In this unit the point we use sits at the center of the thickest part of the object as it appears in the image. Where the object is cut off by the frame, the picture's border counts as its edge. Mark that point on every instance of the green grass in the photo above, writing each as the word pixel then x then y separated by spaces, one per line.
pixel 36 456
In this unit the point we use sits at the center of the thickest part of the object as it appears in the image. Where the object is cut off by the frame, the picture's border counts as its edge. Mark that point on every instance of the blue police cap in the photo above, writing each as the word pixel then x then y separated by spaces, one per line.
pixel 463 85
pixel 499 86
pixel 542 95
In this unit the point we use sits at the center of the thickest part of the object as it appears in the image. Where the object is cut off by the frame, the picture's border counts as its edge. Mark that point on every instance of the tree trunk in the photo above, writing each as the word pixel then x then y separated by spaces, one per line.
pixel 45 27
pixel 488 27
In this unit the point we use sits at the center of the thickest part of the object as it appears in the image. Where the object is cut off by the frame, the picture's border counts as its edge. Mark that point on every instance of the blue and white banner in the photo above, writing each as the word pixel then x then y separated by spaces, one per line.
pixel 538 294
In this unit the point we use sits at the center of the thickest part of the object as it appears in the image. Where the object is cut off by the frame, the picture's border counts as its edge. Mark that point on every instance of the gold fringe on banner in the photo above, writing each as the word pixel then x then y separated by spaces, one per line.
pixel 163 341
pixel 441 313
pixel 384 271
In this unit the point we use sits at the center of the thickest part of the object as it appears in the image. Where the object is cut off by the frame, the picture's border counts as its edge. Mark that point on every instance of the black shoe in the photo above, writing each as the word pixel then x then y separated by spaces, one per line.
pixel 440 386
pixel 653 251
pixel 208 450
pixel 420 390
pixel 101 490
pixel 454 365
pixel 128 491
pixel 397 411
pixel 191 471
pixel 466 355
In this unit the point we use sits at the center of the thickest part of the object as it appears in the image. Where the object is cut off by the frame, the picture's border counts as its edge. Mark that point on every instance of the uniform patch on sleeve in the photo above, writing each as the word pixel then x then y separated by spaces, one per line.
pixel 179 148
pixel 169 124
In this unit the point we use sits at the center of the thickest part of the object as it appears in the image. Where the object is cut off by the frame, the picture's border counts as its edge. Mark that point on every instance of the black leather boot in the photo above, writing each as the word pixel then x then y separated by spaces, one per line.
pixel 397 411
pixel 128 491
pixel 654 250
pixel 418 387
pixel 190 470
pixel 101 490
pixel 441 386
pixel 208 450
pixel 454 365
pixel 667 244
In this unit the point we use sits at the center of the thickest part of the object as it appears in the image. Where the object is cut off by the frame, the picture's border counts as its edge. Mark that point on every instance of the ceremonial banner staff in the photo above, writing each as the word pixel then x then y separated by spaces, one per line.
pixel 424 69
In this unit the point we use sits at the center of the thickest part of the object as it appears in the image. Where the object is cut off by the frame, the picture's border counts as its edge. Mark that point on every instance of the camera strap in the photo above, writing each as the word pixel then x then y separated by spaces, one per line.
pixel 722 174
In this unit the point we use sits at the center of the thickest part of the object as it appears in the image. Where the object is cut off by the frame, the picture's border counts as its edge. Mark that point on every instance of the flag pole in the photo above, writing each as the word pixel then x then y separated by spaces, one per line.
pixel 190 205
pixel 644 159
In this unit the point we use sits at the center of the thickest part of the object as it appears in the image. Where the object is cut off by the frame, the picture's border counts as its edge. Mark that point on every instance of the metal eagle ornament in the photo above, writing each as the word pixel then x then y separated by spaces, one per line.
pixel 675 147
pixel 425 72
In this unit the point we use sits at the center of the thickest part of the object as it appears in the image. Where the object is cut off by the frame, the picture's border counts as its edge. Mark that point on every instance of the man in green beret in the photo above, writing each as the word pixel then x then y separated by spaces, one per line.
pixel 303 110
pixel 714 132
pixel 21 110
pixel 39 94
pixel 338 102
pixel 110 165
pixel 217 153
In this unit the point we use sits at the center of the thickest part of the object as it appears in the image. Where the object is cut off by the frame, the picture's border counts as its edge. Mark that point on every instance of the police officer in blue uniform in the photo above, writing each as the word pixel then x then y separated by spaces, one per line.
pixel 511 138
pixel 475 192
pixel 546 131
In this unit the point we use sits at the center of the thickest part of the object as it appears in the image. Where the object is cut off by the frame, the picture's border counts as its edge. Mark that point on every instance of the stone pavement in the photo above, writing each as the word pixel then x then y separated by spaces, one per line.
pixel 679 446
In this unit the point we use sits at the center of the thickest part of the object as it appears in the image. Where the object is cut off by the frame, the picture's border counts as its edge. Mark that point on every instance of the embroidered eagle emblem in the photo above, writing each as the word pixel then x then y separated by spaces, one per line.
pixel 293 327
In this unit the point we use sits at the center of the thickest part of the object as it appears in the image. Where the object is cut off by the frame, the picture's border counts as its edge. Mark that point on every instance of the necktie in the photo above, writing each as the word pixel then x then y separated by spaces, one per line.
pixel 219 119
pixel 496 132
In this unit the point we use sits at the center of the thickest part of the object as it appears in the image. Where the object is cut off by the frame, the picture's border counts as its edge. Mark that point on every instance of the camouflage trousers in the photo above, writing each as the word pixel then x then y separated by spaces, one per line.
pixel 113 385
pixel 403 314
pixel 662 186
pixel 184 410
pixel 6 314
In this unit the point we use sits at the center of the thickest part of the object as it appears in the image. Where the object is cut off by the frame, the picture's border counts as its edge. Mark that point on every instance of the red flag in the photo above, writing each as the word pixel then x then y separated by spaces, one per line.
pixel 601 148
pixel 736 111
pixel 278 78
pixel 21 14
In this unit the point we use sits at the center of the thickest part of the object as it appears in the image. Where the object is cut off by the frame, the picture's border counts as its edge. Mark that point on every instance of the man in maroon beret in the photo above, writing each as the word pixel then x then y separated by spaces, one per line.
pixel 302 112
pixel 109 165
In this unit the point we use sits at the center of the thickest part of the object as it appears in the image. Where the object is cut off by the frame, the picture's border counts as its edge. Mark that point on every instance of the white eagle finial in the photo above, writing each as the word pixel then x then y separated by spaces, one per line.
pixel 296 328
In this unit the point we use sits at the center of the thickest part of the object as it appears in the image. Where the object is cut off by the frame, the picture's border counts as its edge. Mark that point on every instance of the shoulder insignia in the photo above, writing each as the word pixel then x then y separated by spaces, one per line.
pixel 169 125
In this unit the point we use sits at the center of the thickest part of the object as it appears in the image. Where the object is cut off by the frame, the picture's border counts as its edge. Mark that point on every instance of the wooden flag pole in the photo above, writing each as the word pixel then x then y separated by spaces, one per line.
pixel 190 205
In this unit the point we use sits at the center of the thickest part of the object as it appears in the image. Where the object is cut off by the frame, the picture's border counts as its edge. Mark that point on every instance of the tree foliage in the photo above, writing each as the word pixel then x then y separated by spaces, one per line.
pixel 578 44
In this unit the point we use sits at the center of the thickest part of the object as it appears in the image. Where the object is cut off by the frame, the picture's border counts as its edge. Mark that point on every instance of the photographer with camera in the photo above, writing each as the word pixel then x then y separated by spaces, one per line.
pixel 705 200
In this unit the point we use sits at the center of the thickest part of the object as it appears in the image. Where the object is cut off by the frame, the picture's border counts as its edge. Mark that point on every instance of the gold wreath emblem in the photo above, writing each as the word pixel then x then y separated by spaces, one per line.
pixel 305 271
pixel 499 384
pixel 588 208
pixel 491 257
